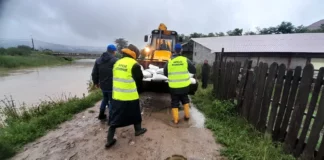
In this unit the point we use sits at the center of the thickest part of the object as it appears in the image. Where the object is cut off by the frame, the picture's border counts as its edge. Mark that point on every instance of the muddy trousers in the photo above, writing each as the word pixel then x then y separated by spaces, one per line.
pixel 112 130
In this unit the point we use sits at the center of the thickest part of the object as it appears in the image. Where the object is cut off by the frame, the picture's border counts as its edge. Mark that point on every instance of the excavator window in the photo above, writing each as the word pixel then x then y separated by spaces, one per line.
pixel 165 42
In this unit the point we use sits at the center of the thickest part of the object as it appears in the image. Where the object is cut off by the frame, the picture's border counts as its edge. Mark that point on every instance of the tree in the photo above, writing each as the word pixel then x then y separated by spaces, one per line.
pixel 235 32
pixel 121 43
pixel 249 33
pixel 2 51
pixel 301 29
pixel 286 27
pixel 211 35
pixel 220 34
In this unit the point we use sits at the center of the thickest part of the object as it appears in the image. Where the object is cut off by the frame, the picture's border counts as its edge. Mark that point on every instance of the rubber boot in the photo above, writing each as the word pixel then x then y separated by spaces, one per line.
pixel 139 130
pixel 186 111
pixel 110 138
pixel 102 116
pixel 175 114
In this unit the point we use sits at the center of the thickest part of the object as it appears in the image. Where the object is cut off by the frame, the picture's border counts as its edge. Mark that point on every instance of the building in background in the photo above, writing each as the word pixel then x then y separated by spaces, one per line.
pixel 289 49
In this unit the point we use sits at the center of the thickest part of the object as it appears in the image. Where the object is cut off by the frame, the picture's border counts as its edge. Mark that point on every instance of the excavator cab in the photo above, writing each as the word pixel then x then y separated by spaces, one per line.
pixel 158 51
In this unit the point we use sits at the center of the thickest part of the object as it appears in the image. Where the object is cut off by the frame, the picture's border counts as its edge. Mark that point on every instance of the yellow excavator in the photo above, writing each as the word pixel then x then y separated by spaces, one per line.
pixel 158 51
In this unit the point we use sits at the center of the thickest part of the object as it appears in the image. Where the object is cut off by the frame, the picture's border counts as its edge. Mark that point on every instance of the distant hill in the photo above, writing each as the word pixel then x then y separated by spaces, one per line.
pixel 316 25
pixel 41 45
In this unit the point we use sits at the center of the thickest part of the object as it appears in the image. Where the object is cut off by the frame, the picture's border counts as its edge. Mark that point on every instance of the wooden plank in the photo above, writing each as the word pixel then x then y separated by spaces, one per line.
pixel 254 94
pixel 315 132
pixel 222 79
pixel 235 78
pixel 267 97
pixel 300 105
pixel 311 108
pixel 291 102
pixel 232 81
pixel 283 104
pixel 259 97
pixel 320 152
pixel 248 95
pixel 216 77
pixel 247 66
pixel 229 72
pixel 276 98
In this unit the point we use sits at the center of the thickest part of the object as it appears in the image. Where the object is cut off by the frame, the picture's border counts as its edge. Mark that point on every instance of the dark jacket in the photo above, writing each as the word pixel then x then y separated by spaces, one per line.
pixel 205 71
pixel 191 69
pixel 102 71
pixel 124 113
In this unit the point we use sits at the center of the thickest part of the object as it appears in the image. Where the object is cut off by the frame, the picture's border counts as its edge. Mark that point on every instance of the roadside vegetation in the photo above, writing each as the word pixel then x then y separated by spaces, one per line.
pixel 23 125
pixel 240 140
pixel 24 56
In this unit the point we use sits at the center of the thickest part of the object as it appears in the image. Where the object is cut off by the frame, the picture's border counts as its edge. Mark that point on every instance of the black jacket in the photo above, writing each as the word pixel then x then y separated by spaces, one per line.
pixel 124 113
pixel 102 71
pixel 191 69
pixel 205 71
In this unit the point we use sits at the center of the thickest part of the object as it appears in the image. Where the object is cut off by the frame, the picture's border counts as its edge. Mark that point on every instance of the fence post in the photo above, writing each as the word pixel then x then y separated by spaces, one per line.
pixel 242 85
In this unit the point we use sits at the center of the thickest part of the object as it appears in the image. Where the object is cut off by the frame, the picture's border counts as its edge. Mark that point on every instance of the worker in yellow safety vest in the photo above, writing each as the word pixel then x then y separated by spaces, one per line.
pixel 177 70
pixel 127 80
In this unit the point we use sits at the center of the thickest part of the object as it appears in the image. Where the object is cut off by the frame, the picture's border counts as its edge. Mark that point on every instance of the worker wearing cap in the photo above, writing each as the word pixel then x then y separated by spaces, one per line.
pixel 102 77
pixel 127 80
pixel 179 81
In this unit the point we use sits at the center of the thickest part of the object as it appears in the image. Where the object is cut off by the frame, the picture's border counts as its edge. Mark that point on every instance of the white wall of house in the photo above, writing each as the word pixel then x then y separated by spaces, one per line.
pixel 200 53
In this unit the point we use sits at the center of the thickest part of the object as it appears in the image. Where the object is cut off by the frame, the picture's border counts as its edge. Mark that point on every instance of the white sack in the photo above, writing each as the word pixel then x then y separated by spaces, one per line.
pixel 159 77
pixel 193 81
pixel 152 71
pixel 191 75
pixel 151 66
pixel 147 74
pixel 142 68
pixel 160 71
pixel 147 79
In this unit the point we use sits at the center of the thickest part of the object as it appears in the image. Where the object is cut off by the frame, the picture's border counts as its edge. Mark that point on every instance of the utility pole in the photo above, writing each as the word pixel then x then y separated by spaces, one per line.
pixel 32 42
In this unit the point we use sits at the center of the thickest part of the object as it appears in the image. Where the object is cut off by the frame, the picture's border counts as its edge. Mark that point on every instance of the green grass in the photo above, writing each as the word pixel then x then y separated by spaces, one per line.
pixel 240 140
pixel 24 126
pixel 33 60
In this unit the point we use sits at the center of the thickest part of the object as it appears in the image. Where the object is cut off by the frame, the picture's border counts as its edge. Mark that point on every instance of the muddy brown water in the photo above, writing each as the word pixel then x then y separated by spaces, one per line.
pixel 30 86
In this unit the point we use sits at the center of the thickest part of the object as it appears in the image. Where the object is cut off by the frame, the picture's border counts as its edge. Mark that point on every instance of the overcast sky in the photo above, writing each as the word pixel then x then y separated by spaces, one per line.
pixel 99 22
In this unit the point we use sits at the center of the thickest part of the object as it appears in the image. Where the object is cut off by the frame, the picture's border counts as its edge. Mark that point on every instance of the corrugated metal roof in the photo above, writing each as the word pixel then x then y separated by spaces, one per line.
pixel 303 42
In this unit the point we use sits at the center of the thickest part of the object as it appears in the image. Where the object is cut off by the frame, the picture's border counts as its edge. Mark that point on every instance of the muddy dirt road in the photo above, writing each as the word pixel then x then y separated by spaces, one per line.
pixel 84 137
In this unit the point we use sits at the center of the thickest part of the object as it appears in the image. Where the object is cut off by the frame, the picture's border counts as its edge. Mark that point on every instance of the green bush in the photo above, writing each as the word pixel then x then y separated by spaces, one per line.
pixel 13 51
pixel 2 51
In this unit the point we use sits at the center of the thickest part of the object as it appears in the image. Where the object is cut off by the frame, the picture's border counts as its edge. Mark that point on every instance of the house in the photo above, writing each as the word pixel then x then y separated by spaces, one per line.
pixel 290 49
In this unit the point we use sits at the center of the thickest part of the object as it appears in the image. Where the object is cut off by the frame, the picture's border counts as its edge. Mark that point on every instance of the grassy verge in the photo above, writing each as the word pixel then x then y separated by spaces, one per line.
pixel 33 60
pixel 240 140
pixel 24 126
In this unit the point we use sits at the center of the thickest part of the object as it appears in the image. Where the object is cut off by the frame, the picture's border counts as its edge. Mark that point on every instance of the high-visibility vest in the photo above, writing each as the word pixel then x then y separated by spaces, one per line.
pixel 124 86
pixel 178 75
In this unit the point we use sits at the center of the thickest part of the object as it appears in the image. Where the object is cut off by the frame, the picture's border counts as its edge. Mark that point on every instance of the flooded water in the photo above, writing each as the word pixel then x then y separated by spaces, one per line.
pixel 29 86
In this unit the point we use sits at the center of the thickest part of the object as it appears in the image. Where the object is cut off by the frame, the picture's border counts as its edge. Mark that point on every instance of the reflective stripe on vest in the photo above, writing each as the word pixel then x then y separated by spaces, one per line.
pixel 124 86
pixel 178 75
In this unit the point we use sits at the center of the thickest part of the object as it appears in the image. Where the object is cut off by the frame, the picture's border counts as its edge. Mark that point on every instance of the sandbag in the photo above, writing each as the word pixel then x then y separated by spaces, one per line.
pixel 159 77
pixel 151 66
pixel 160 71
pixel 142 68
pixel 152 71
pixel 193 81
pixel 147 74
pixel 147 79
pixel 191 75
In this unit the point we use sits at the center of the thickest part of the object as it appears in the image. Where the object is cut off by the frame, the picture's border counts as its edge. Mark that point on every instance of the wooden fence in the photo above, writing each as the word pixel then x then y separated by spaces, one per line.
pixel 277 101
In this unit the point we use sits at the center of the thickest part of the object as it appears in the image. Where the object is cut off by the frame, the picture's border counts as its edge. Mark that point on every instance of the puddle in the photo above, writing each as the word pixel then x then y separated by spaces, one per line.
pixel 158 106
pixel 176 157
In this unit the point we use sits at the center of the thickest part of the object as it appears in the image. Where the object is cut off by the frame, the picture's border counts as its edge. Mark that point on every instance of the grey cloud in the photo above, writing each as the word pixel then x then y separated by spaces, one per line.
pixel 99 22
